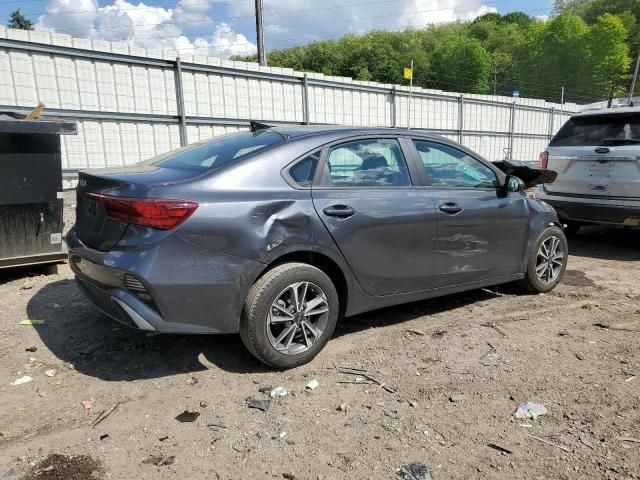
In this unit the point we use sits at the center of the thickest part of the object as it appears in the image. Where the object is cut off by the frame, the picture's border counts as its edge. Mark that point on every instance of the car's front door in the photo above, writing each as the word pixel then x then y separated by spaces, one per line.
pixel 383 225
pixel 481 233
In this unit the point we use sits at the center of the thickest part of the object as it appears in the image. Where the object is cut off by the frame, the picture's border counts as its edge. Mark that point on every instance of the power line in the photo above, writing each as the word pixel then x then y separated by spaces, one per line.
pixel 288 38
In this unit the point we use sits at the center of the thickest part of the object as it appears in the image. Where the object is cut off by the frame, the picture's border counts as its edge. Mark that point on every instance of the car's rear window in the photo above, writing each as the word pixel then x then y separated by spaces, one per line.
pixel 615 129
pixel 218 151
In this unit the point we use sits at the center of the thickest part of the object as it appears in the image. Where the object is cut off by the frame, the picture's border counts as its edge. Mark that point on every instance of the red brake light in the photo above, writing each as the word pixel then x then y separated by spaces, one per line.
pixel 150 212
pixel 543 159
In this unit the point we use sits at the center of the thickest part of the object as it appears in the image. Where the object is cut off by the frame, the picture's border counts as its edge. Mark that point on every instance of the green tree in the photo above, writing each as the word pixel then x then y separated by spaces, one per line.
pixel 554 56
pixel 18 20
pixel 608 52
pixel 461 64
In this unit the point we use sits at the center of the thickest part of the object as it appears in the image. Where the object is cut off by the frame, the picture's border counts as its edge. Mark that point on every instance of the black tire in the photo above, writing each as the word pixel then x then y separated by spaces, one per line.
pixel 253 323
pixel 572 229
pixel 531 281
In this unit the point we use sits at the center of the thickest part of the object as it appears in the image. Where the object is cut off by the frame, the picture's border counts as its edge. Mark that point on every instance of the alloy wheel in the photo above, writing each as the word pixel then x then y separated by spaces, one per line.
pixel 297 318
pixel 550 260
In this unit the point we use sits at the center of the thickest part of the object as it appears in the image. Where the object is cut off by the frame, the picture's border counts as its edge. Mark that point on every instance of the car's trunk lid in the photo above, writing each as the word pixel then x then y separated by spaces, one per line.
pixel 93 226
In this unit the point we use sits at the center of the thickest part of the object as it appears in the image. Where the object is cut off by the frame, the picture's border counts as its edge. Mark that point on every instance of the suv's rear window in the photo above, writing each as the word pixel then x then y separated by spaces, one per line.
pixel 615 129
pixel 218 151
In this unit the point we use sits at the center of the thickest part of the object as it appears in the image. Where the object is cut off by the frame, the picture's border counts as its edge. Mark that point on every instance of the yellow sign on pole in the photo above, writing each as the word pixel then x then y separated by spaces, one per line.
pixel 408 73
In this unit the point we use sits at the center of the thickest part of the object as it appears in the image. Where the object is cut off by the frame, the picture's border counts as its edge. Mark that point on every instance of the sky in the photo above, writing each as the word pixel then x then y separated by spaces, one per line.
pixel 222 28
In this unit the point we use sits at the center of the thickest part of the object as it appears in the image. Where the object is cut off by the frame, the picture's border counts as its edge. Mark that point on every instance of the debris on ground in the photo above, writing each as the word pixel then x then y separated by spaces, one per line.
pixel 530 410
pixel 103 415
pixel 574 417
pixel 274 391
pixel 312 385
pixel 51 372
pixel 414 471
pixel 187 416
pixel 21 380
pixel 497 447
pixel 629 439
pixel 361 375
pixel 258 404
pixel 192 381
pixel 216 425
pixel 457 398
pixel 413 331
pixel 31 349
pixel 563 333
pixel 439 333
pixel 104 436
pixel 561 447
pixel 342 407
pixel 61 467
pixel 159 460
pixel 87 404
pixel 30 321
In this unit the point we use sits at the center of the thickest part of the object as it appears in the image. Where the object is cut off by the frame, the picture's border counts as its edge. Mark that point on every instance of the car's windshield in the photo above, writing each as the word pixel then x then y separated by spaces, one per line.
pixel 216 152
pixel 614 129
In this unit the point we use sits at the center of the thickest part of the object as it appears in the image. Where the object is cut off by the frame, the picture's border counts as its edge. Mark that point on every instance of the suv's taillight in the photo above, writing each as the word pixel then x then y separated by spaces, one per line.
pixel 151 212
pixel 543 159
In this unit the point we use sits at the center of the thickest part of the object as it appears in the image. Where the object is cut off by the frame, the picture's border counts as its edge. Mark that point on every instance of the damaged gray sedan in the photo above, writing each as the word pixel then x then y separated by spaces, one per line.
pixel 279 232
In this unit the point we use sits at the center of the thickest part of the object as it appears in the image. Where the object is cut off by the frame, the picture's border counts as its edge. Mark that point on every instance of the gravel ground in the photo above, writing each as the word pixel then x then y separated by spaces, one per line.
pixel 453 371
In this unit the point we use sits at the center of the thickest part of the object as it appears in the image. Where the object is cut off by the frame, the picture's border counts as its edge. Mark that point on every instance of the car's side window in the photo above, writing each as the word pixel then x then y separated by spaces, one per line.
pixel 452 168
pixel 303 171
pixel 371 162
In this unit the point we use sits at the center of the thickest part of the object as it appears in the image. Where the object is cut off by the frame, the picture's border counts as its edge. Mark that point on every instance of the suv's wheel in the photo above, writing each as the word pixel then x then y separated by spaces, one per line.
pixel 289 315
pixel 547 261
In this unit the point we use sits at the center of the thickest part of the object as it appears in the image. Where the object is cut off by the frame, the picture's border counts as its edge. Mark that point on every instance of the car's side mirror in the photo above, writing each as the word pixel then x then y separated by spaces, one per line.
pixel 513 184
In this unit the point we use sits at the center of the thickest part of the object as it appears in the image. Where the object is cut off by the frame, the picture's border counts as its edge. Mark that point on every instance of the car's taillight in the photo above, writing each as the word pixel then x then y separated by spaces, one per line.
pixel 150 212
pixel 543 159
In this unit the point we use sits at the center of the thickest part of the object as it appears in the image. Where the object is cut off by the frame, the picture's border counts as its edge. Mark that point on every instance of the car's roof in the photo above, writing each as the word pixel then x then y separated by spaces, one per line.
pixel 607 111
pixel 295 131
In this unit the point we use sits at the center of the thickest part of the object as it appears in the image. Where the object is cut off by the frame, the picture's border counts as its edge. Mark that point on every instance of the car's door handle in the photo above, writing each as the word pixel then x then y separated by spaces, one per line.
pixel 450 207
pixel 340 211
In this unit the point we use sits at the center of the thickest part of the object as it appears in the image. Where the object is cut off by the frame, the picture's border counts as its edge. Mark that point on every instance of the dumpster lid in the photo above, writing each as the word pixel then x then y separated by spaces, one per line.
pixel 12 122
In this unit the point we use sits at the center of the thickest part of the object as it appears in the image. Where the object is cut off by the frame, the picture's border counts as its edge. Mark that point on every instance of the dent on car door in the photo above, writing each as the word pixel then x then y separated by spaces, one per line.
pixel 481 234
pixel 383 226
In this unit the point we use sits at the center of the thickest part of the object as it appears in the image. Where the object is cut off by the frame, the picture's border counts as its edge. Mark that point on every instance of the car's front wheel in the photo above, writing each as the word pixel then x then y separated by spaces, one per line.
pixel 547 261
pixel 289 315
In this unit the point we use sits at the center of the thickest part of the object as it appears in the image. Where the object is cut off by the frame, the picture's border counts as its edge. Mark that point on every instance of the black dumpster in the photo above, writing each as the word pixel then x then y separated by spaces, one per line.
pixel 31 199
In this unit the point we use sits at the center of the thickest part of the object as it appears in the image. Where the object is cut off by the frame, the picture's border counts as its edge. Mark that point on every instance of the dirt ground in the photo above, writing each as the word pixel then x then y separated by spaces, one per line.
pixel 453 370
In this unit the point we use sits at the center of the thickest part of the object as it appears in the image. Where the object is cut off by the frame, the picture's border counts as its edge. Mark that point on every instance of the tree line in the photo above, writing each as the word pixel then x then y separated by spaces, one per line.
pixel 586 46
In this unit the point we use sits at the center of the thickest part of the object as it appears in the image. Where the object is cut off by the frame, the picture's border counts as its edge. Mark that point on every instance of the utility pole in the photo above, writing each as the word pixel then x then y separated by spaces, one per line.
pixel 262 55
pixel 635 79
pixel 562 100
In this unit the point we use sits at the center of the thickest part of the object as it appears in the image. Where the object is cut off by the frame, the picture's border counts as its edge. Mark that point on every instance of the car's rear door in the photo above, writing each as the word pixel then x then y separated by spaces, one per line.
pixel 597 156
pixel 481 234
pixel 384 226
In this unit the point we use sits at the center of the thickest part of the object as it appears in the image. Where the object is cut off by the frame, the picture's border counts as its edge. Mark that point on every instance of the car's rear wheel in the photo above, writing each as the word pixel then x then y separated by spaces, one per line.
pixel 547 261
pixel 289 315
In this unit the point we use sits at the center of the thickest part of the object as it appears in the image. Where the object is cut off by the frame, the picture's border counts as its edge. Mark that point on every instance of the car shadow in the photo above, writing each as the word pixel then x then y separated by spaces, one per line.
pixel 606 243
pixel 78 334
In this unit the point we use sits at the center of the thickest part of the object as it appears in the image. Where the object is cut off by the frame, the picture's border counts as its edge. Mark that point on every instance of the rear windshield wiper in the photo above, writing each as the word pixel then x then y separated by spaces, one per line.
pixel 619 141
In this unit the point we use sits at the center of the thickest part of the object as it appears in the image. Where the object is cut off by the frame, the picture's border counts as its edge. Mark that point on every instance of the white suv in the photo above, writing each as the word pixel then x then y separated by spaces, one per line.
pixel 597 157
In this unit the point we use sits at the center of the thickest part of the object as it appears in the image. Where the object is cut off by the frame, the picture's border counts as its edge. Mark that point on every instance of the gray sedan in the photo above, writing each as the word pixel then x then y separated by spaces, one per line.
pixel 279 232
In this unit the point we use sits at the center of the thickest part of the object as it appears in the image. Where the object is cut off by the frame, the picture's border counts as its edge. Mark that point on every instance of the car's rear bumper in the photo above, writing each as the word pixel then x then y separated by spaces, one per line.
pixel 185 288
pixel 591 210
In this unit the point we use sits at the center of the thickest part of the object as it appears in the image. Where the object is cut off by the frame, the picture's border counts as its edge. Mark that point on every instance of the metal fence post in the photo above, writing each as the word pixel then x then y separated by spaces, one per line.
pixel 512 129
pixel 180 103
pixel 551 122
pixel 460 117
pixel 393 107
pixel 305 99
